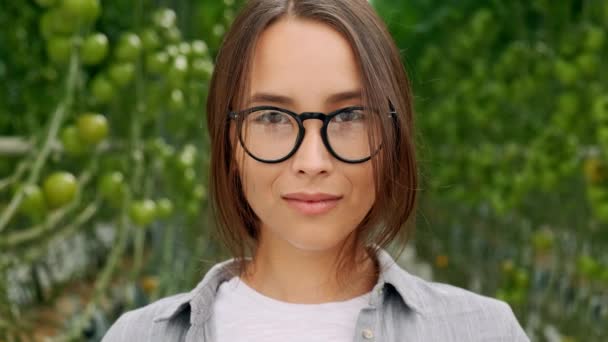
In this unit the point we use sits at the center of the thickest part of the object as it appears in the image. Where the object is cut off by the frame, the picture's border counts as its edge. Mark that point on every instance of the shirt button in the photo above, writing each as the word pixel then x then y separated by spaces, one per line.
pixel 368 334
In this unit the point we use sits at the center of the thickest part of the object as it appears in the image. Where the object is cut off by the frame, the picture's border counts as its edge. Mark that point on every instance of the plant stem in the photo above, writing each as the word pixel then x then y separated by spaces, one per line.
pixel 23 236
pixel 102 282
pixel 8 181
pixel 14 146
pixel 55 123
pixel 34 252
pixel 137 180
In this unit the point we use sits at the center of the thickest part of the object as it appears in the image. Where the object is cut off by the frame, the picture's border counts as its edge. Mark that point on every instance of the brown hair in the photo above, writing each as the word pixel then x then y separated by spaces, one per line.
pixel 384 79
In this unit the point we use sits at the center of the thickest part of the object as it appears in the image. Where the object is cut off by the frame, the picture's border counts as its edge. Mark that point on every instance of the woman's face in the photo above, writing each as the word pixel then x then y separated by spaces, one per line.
pixel 304 65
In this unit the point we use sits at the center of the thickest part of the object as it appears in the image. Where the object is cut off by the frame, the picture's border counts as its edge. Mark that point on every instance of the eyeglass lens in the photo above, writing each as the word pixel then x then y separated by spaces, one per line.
pixel 270 134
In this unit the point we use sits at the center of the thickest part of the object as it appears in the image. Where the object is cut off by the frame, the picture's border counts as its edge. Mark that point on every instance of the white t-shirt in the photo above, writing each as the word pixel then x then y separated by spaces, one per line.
pixel 241 314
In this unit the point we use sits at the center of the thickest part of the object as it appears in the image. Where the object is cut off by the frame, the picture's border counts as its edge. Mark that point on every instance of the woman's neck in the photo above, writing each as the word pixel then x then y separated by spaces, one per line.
pixel 293 275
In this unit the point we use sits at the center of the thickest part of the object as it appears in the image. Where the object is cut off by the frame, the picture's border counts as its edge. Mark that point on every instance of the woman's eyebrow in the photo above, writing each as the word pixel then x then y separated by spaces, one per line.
pixel 286 100
pixel 344 96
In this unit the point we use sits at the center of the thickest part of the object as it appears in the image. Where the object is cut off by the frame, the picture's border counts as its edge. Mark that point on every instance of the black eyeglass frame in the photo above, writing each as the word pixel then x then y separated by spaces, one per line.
pixel 300 118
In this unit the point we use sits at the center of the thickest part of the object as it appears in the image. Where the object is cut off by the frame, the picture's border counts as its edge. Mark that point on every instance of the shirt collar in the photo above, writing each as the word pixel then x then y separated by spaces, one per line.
pixel 200 299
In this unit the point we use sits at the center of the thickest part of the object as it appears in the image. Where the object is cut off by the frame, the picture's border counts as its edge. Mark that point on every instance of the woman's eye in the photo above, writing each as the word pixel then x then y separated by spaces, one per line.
pixel 349 116
pixel 272 118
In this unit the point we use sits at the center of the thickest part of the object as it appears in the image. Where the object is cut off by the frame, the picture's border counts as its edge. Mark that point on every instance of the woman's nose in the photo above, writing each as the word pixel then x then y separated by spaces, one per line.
pixel 312 157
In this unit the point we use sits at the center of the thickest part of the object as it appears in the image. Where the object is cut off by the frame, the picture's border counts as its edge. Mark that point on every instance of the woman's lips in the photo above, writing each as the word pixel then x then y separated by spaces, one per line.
pixel 312 207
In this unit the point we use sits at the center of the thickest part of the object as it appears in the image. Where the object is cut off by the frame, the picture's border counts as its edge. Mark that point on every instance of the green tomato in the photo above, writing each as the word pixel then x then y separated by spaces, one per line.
pixel 92 128
pixel 600 208
pixel 57 21
pixel 218 30
pixel 184 49
pixel 150 39
pixel 187 157
pixel 200 49
pixel 521 278
pixel 110 183
pixel 112 187
pixel 588 63
pixel 172 50
pixel 594 39
pixel 71 142
pixel 172 35
pixel 102 89
pixel 164 18
pixel 566 72
pixel 84 11
pixel 143 212
pixel 202 68
pixel 94 49
pixel 480 21
pixel 157 63
pixel 199 193
pixel 33 204
pixel 164 207
pixel 599 108
pixel 228 16
pixel 507 266
pixel 129 47
pixel 161 148
pixel 59 49
pixel 543 240
pixel 586 265
pixel 122 73
pixel 189 178
pixel 46 25
pixel 178 70
pixel 177 101
pixel 59 189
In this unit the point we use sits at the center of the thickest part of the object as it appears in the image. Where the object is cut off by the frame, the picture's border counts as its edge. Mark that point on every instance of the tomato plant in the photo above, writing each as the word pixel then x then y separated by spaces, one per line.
pixel 98 101
pixel 58 49
pixel 59 189
pixel 94 49
pixel 92 128
pixel 143 212
pixel 511 112
pixel 129 47
pixel 112 186
pixel 165 207
pixel 71 141
pixel 102 90
pixel 33 203
pixel 85 11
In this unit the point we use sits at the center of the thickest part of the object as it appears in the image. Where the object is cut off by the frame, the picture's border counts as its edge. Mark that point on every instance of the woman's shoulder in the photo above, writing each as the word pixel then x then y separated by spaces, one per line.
pixel 459 309
pixel 444 311
pixel 134 324
pixel 443 298
pixel 168 318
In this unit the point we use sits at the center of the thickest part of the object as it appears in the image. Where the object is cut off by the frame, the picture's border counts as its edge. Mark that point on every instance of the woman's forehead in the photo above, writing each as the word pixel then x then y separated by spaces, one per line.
pixel 301 59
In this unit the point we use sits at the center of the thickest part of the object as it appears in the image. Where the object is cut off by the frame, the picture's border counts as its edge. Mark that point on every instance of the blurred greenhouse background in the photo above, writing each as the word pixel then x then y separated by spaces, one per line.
pixel 104 156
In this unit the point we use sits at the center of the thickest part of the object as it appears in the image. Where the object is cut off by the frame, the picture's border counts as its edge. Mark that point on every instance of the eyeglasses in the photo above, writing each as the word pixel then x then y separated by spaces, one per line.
pixel 272 134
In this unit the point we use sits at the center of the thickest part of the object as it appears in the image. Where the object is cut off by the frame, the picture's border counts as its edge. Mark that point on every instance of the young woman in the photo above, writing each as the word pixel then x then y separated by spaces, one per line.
pixel 313 175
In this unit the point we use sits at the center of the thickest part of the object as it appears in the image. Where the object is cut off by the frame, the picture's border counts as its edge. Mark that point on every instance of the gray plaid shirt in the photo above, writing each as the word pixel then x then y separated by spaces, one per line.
pixel 402 307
